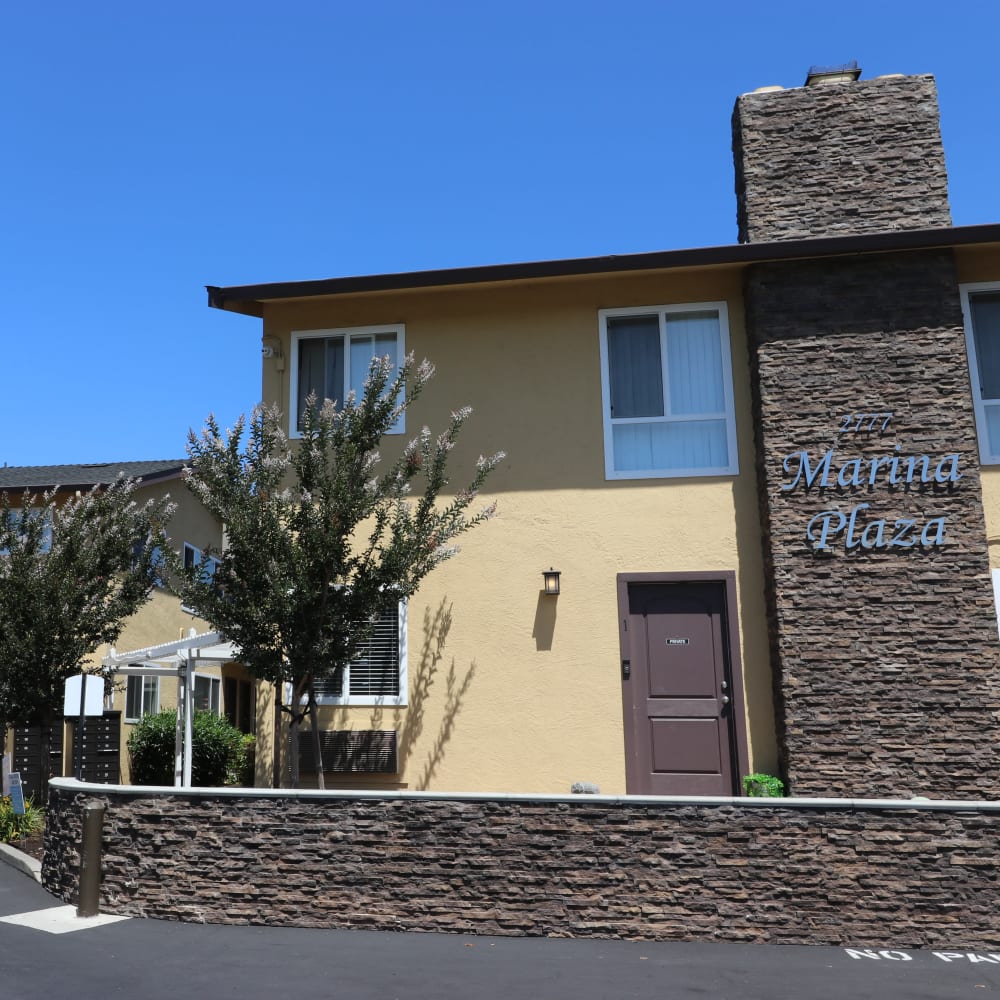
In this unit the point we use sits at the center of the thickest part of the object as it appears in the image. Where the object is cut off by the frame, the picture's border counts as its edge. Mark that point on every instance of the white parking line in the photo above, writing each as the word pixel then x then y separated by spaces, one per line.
pixel 59 920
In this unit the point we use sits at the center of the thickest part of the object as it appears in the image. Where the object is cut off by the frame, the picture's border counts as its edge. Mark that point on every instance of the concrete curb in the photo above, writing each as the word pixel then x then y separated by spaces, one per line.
pixel 21 861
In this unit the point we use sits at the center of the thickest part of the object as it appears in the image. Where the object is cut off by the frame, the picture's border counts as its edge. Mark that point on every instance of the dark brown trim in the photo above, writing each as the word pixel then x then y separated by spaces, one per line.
pixel 250 299
pixel 732 633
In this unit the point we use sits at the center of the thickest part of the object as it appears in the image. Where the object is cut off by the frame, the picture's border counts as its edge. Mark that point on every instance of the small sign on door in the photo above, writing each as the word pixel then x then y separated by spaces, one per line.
pixel 677 642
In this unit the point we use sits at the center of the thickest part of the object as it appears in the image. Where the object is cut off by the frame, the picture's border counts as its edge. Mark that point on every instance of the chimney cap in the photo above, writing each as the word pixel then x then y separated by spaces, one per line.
pixel 819 76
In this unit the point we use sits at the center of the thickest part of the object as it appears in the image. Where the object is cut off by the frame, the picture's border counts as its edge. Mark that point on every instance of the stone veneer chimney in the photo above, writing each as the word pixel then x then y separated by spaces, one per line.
pixel 884 644
pixel 839 156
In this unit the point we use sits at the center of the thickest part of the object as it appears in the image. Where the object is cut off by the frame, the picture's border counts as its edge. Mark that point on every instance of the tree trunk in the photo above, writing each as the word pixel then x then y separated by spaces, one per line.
pixel 316 748
pixel 293 750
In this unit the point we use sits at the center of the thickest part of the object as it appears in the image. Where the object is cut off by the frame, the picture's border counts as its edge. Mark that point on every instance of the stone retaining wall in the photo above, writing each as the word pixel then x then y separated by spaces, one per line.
pixel 837 873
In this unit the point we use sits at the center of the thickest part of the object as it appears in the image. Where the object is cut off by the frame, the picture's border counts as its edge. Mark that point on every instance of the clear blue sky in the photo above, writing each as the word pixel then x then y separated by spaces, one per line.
pixel 149 150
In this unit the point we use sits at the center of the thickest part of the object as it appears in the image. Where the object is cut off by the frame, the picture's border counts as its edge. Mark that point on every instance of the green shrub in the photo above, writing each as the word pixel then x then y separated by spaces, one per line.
pixel 763 786
pixel 247 768
pixel 14 826
pixel 151 749
pixel 217 750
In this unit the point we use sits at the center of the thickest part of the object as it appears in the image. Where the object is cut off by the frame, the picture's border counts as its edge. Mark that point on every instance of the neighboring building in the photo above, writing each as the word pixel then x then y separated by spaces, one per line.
pixel 192 529
pixel 771 490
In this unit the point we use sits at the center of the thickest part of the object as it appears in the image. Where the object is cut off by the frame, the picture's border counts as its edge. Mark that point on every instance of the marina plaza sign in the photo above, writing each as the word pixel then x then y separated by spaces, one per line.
pixel 858 527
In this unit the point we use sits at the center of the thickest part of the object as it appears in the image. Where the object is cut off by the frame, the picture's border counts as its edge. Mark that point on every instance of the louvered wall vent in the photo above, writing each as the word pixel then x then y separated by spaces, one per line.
pixel 351 751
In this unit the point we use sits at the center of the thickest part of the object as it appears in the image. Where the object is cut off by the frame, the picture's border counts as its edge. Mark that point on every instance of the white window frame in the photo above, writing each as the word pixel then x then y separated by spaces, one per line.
pixel 212 679
pixel 16 515
pixel 986 457
pixel 662 311
pixel 348 333
pixel 197 557
pixel 142 697
pixel 399 700
pixel 158 582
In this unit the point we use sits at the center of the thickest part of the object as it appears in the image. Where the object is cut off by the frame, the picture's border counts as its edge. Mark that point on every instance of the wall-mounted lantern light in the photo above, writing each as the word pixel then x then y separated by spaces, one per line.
pixel 271 348
pixel 551 577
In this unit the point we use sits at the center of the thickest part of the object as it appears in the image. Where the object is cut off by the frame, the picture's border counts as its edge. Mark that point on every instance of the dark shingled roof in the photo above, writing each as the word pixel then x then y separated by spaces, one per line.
pixel 40 477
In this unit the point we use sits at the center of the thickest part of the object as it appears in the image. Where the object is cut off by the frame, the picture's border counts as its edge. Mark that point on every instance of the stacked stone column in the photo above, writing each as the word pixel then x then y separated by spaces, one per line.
pixel 882 621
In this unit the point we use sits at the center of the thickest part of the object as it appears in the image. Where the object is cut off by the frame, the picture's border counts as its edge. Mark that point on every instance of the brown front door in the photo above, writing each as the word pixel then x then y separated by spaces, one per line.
pixel 677 687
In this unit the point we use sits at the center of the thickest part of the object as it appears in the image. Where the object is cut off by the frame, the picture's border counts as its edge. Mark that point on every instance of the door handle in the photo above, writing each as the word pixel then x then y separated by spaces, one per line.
pixel 725 699
pixel 626 669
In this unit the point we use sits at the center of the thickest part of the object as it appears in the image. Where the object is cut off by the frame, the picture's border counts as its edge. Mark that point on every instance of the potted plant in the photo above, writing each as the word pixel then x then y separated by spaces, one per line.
pixel 763 786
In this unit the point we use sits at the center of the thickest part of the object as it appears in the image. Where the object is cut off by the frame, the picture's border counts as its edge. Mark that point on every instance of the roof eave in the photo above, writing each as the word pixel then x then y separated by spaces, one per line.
pixel 250 299
pixel 147 480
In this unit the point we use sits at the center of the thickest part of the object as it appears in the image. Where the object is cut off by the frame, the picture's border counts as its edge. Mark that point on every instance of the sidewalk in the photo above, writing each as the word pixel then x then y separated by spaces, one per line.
pixel 21 862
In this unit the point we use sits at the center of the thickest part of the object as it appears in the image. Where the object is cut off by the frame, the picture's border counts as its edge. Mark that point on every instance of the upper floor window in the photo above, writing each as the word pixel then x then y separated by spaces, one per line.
pixel 193 556
pixel 981 305
pixel 332 363
pixel 667 390
pixel 158 563
pixel 16 519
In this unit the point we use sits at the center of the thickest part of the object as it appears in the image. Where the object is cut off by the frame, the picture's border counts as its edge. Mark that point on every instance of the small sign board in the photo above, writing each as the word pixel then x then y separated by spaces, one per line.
pixel 95 695
pixel 677 642
pixel 16 793
pixel 5 771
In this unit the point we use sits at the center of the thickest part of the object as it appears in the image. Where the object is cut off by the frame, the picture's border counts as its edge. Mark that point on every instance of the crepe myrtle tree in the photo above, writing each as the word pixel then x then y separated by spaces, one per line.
pixel 71 573
pixel 318 536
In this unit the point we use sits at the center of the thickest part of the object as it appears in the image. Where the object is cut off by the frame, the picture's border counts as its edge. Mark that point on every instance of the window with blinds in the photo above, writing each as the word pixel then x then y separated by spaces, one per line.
pixel 329 364
pixel 667 392
pixel 981 303
pixel 378 673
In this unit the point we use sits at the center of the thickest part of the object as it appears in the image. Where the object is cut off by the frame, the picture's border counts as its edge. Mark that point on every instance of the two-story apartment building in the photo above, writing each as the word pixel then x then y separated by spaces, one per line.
pixel 763 472
pixel 218 688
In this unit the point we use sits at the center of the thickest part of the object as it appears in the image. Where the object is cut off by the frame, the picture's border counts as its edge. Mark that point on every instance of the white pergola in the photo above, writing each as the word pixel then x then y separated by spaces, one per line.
pixel 175 659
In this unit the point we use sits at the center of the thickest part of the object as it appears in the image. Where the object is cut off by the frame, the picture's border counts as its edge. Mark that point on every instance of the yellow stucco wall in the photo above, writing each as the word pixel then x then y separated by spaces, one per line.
pixel 527 694
pixel 979 263
pixel 161 620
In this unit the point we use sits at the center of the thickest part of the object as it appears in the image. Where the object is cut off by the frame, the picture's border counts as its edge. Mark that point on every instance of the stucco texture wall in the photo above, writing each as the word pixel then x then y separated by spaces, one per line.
pixel 161 620
pixel 525 693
